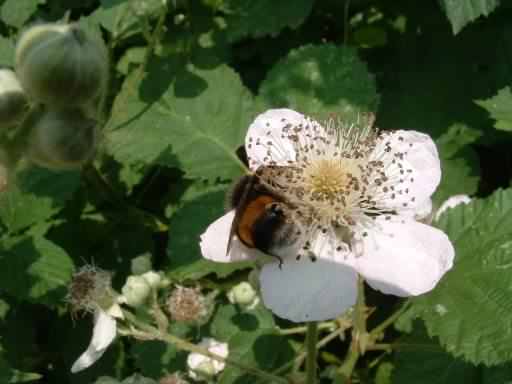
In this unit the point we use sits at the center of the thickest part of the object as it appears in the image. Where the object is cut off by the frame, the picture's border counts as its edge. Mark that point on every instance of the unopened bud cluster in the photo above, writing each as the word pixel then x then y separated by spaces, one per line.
pixel 59 76
pixel 137 288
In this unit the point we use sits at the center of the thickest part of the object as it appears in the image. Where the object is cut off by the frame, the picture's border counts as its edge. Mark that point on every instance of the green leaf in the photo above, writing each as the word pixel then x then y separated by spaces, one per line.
pixel 500 108
pixel 9 375
pixel 462 12
pixel 187 223
pixel 247 18
pixel 459 163
pixel 252 340
pixel 34 268
pixel 420 93
pixel 384 373
pixel 6 52
pixel 260 349
pixel 153 357
pixel 17 12
pixel 421 360
pixel 230 320
pixel 123 18
pixel 35 196
pixel 481 233
pixel 456 138
pixel 182 117
pixel 321 80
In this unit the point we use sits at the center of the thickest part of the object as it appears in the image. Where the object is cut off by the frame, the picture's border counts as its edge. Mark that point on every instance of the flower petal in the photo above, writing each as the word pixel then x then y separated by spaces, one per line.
pixel 404 257
pixel 214 242
pixel 412 167
pixel 308 291
pixel 266 141
pixel 103 334
pixel 452 202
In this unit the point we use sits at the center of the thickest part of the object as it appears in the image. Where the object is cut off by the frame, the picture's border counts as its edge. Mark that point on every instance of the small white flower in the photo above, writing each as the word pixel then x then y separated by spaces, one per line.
pixel 244 295
pixel 452 202
pixel 356 195
pixel 90 290
pixel 200 366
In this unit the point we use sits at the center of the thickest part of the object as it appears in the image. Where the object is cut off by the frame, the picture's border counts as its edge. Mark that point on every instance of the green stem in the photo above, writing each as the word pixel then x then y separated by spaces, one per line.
pixel 360 309
pixel 303 329
pixel 311 340
pixel 302 356
pixel 152 332
pixel 346 369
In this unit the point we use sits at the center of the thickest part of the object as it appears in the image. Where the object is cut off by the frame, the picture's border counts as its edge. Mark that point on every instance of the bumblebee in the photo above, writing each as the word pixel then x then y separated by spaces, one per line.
pixel 262 219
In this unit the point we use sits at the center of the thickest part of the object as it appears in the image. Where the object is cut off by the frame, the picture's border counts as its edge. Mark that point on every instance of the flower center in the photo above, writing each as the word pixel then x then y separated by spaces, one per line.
pixel 332 180
pixel 325 179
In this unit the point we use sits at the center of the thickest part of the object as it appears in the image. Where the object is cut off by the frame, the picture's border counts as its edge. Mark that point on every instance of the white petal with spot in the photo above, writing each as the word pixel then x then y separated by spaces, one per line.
pixel 404 257
pixel 412 167
pixel 265 141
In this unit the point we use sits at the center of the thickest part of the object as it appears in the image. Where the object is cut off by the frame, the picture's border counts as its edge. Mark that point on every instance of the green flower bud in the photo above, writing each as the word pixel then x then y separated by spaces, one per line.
pixel 59 64
pixel 244 295
pixel 62 139
pixel 141 264
pixel 153 279
pixel 135 291
pixel 13 102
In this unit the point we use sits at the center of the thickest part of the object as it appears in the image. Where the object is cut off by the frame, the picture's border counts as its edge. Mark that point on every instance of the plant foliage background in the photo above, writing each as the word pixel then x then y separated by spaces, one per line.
pixel 187 77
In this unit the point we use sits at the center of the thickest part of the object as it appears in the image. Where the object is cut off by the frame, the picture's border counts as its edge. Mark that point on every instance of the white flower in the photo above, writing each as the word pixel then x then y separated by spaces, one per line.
pixel 452 202
pixel 104 332
pixel 356 196
pixel 200 366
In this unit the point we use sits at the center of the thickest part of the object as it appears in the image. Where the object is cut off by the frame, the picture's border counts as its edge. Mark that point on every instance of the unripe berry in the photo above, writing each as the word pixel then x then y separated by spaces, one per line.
pixel 59 64
pixel 62 139
pixel 13 102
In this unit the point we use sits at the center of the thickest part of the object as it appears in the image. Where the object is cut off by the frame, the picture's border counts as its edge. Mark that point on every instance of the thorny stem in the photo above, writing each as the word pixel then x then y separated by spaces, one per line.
pixel 360 337
pixel 151 332
pixel 311 340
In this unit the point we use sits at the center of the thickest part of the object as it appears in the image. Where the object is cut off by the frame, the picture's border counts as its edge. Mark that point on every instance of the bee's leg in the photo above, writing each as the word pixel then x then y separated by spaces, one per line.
pixel 280 261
